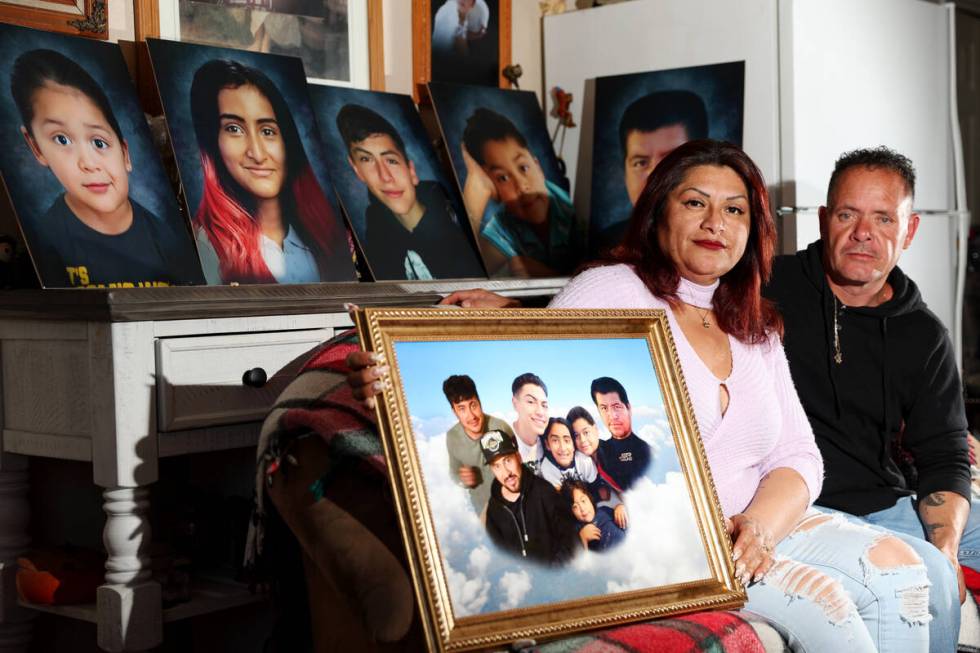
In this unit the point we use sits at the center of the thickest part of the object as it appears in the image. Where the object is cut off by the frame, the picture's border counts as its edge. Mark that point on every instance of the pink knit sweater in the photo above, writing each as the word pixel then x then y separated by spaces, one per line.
pixel 764 427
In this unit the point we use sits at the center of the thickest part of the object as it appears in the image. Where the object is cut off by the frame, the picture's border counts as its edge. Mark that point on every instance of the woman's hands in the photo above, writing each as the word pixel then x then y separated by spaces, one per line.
pixel 367 378
pixel 753 547
pixel 479 298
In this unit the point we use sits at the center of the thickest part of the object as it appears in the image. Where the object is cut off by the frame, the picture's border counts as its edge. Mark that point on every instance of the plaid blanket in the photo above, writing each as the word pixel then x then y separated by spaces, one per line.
pixel 320 404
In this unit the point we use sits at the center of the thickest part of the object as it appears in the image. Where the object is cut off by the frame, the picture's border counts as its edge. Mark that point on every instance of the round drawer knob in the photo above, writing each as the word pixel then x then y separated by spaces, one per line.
pixel 255 377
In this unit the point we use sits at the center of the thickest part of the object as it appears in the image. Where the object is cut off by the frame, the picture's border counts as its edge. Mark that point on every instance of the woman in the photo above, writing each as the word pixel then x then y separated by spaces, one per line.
pixel 263 217
pixel 700 245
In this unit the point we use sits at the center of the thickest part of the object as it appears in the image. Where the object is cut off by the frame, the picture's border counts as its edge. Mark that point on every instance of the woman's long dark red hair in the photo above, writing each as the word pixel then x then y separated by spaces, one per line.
pixel 740 309
pixel 225 213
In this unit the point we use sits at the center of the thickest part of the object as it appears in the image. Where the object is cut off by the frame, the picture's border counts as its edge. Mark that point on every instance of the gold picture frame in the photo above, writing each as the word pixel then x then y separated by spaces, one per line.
pixel 473 588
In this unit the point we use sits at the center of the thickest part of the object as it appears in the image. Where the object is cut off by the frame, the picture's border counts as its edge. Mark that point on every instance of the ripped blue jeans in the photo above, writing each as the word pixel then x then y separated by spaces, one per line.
pixel 840 586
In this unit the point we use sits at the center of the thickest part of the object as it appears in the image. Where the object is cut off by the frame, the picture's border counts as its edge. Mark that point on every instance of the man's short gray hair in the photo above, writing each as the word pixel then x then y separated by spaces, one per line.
pixel 873 157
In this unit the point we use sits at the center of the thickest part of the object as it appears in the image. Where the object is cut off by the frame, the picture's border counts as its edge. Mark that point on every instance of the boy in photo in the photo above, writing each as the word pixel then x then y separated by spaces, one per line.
pixel 466 463
pixel 598 530
pixel 93 234
pixel 534 234
pixel 412 231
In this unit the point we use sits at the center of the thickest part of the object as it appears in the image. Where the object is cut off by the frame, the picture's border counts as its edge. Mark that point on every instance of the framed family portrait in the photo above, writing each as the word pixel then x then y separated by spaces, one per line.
pixel 339 41
pixel 460 41
pixel 77 17
pixel 539 459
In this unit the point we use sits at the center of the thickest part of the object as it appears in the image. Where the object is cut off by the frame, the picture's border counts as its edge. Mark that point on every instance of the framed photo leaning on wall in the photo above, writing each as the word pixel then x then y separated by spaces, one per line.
pixel 547 470
pixel 460 41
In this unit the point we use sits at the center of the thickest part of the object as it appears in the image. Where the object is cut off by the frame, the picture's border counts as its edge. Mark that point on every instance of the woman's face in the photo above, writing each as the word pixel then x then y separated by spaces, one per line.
pixel 250 141
pixel 706 223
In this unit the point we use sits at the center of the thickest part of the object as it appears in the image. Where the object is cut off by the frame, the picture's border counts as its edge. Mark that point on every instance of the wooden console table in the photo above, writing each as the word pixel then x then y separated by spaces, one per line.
pixel 122 378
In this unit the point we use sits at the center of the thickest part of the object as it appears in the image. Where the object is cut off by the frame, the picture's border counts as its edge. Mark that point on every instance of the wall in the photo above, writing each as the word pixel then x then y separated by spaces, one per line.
pixel 120 21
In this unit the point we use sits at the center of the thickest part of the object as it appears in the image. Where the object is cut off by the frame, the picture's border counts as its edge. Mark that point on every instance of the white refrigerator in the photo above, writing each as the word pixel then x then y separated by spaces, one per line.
pixel 822 77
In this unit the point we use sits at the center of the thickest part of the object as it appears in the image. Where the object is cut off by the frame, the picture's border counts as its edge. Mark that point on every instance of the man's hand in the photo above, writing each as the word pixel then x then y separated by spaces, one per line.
pixel 588 533
pixel 753 548
pixel 620 517
pixel 469 476
pixel 479 298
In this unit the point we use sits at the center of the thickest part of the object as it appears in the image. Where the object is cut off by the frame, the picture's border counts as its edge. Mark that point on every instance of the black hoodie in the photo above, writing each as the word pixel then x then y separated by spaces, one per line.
pixel 897 376
pixel 538 526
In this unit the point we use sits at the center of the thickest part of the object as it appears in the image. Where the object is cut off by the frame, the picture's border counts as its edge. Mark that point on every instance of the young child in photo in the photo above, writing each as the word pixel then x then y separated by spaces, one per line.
pixel 534 234
pixel 598 530
pixel 93 234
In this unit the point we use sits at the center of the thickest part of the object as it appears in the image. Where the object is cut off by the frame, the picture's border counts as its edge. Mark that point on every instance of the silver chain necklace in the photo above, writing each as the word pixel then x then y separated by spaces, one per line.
pixel 838 356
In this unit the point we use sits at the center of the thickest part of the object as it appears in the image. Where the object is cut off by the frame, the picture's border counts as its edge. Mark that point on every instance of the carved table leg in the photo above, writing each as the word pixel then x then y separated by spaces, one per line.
pixel 16 623
pixel 130 607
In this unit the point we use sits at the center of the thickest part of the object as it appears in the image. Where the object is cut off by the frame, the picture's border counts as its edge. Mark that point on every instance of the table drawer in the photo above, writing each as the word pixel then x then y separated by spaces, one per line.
pixel 199 379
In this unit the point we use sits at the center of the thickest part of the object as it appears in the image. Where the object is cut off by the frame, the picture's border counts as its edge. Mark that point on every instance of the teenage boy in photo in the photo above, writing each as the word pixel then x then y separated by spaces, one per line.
pixel 624 456
pixel 534 233
pixel 466 463
pixel 525 515
pixel 529 396
pixel 412 231
pixel 93 234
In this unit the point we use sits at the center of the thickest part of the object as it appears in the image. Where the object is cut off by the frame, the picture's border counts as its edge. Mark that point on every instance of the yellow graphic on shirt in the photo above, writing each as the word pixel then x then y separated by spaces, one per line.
pixel 78 278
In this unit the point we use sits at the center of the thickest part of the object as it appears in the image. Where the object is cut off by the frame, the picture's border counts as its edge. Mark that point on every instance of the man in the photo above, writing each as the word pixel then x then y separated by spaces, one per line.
pixel 525 515
pixel 650 128
pixel 625 457
pixel 530 400
pixel 875 372
pixel 466 463
pixel 412 231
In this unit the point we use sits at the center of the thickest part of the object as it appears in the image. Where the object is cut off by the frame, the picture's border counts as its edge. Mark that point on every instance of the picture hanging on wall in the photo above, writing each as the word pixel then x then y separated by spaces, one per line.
pixel 90 194
pixel 330 37
pixel 408 217
pixel 251 165
pixel 640 118
pixel 461 41
pixel 514 191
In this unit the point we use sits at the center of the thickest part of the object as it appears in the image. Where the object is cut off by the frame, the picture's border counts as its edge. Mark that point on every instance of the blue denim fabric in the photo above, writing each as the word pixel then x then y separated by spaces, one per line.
pixel 859 607
pixel 944 605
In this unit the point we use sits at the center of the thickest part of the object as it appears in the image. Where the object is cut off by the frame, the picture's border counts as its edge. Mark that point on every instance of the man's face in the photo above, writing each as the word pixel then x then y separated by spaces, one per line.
pixel 531 404
pixel 507 469
pixel 469 412
pixel 586 436
pixel 644 150
pixel 382 167
pixel 465 6
pixel 518 178
pixel 560 444
pixel 867 225
pixel 250 141
pixel 70 135
pixel 582 507
pixel 615 414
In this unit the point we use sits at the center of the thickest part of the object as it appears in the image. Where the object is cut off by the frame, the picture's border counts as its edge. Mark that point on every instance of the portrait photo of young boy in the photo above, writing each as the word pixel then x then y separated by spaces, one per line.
pixel 90 195
pixel 515 194
pixel 407 217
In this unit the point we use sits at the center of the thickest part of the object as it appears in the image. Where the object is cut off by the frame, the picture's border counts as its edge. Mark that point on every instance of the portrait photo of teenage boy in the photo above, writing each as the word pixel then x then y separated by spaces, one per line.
pixel 515 194
pixel 89 192
pixel 406 215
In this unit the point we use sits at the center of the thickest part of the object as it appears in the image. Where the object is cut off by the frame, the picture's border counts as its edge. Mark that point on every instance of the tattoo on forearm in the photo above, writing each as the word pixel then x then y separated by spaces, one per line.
pixel 932 528
pixel 934 499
